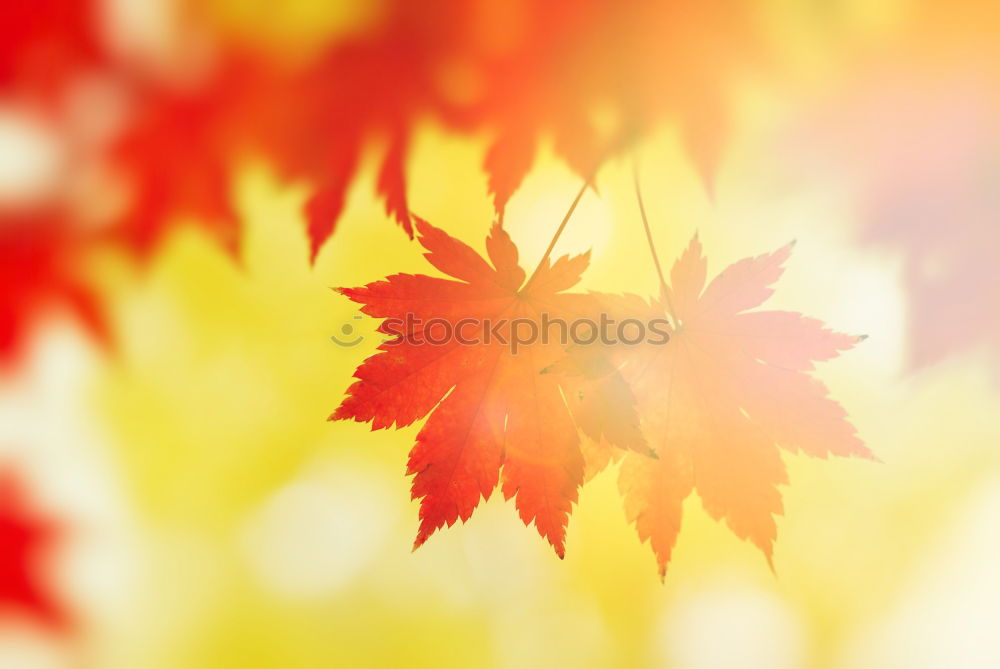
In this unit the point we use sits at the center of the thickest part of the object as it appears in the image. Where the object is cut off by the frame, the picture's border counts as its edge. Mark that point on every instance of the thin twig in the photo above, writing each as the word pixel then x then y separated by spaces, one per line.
pixel 559 231
pixel 649 238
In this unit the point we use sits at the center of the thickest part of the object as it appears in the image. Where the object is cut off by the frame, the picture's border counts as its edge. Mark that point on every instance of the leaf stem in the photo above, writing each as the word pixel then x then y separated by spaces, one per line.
pixel 559 231
pixel 649 238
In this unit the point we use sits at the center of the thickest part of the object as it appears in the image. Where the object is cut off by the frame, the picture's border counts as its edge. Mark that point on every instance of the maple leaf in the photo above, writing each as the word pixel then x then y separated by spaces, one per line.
pixel 24 538
pixel 494 418
pixel 718 402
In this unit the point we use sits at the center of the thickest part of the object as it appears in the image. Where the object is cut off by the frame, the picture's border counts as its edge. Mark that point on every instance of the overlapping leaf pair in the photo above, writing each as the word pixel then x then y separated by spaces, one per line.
pixel 707 412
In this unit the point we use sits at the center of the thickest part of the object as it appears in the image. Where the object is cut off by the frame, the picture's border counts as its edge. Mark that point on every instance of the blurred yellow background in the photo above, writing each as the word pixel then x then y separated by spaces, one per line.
pixel 218 520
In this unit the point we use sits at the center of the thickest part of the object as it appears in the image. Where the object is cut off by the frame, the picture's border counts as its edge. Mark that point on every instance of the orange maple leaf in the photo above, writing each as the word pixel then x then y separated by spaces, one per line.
pixel 717 403
pixel 490 407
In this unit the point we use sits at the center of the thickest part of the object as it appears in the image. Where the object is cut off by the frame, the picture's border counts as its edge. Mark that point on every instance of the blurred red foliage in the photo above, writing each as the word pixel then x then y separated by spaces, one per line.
pixel 589 74
pixel 44 42
pixel 25 538
pixel 41 272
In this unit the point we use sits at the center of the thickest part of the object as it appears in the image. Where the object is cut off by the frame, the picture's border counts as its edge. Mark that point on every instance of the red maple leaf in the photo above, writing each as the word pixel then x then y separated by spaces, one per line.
pixel 718 402
pixel 493 416
pixel 25 538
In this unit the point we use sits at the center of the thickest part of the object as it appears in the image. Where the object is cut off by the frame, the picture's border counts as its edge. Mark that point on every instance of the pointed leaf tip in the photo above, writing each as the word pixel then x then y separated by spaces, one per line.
pixel 419 540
